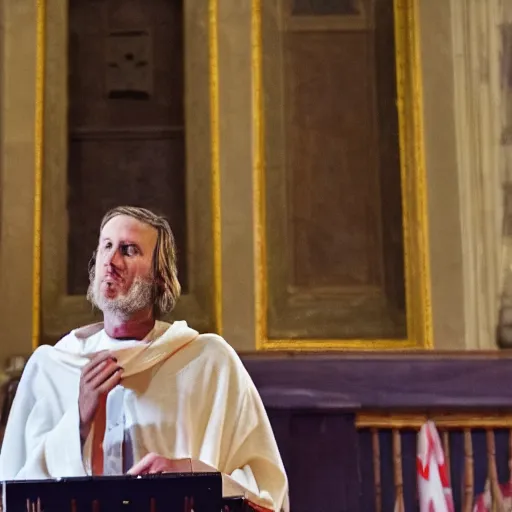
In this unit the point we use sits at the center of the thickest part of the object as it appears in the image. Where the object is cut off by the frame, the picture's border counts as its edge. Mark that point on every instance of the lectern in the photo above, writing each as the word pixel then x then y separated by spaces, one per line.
pixel 170 492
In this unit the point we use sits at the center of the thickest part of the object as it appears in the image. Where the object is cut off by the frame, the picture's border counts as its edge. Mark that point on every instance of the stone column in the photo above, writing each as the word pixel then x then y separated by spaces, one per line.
pixel 17 163
pixel 476 45
pixel 236 158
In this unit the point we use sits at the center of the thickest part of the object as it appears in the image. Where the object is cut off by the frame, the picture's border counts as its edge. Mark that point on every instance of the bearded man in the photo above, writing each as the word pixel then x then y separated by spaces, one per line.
pixel 134 394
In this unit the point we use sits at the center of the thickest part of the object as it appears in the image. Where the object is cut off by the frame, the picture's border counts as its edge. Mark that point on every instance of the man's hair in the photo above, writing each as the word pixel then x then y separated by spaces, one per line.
pixel 165 270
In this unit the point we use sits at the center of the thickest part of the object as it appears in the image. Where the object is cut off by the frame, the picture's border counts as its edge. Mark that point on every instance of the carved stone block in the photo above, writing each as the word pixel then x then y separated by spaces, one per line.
pixel 129 66
pixel 326 7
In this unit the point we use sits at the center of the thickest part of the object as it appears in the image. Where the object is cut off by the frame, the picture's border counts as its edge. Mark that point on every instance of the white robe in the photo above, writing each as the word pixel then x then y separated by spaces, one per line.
pixel 183 395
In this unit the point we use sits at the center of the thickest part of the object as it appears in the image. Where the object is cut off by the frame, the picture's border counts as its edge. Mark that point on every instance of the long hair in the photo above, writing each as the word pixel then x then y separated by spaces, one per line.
pixel 165 270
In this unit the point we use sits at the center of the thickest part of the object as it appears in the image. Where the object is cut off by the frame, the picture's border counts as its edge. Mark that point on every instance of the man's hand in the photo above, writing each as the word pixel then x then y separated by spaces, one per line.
pixel 154 463
pixel 98 378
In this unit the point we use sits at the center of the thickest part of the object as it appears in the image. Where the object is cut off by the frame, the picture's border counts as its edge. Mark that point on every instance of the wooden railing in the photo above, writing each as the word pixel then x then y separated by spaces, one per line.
pixel 359 415
pixel 451 426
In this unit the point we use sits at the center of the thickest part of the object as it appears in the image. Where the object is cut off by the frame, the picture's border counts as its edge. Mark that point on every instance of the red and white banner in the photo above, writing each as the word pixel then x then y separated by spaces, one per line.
pixel 434 491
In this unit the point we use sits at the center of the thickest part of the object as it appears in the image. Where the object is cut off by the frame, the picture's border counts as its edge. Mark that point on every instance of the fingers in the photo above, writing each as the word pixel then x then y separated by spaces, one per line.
pixel 104 373
pixel 153 463
pixel 100 357
pixel 93 372
pixel 103 376
pixel 159 466
pixel 143 465
pixel 109 384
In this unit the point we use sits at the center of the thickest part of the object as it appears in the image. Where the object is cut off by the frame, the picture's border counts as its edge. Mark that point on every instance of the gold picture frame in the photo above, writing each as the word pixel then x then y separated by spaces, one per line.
pixel 414 195
pixel 215 290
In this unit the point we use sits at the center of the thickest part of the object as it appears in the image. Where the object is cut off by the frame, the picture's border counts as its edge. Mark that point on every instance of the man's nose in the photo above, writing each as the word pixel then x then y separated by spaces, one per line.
pixel 114 258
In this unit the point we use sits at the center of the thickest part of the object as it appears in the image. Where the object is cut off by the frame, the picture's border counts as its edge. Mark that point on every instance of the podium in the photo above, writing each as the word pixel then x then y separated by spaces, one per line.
pixel 169 492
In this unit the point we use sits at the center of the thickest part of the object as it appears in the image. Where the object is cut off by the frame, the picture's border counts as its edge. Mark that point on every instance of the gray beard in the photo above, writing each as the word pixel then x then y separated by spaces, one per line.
pixel 138 297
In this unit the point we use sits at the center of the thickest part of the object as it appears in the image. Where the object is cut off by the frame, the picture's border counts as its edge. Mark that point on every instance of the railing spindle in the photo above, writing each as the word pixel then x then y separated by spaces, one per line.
pixel 510 455
pixel 496 495
pixel 446 448
pixel 468 471
pixel 376 469
pixel 397 471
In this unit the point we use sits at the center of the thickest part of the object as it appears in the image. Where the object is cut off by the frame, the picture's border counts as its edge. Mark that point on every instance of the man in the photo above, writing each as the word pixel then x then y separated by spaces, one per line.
pixel 134 394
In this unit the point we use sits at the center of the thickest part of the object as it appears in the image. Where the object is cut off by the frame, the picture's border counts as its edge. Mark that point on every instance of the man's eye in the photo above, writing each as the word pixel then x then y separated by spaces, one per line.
pixel 108 245
pixel 129 250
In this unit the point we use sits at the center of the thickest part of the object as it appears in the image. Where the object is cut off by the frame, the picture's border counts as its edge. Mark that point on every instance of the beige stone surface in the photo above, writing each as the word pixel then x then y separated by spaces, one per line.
pixel 17 111
pixel 441 165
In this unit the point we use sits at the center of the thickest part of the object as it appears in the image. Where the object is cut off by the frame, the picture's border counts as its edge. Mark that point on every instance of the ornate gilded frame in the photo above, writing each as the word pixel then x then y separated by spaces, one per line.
pixel 414 194
pixel 213 99
pixel 38 170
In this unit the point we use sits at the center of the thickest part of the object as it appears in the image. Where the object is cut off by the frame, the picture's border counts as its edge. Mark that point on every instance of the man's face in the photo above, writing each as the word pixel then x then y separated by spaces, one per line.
pixel 123 279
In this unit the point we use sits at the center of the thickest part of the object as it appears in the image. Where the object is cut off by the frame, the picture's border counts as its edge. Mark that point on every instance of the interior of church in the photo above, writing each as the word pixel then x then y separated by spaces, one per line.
pixel 336 175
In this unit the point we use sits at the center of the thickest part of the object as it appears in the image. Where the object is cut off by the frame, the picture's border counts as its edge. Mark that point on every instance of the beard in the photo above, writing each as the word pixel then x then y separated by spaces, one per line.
pixel 139 296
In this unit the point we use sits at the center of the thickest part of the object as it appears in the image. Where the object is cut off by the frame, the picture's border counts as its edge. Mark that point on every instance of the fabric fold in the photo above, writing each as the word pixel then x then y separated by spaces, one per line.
pixel 185 395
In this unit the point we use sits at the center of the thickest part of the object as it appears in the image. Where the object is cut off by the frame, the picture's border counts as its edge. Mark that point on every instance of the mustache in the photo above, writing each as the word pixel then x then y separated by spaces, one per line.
pixel 113 272
pixel 95 280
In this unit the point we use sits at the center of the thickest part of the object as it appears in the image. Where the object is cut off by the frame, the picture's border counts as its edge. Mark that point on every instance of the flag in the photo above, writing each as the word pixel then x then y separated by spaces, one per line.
pixel 434 491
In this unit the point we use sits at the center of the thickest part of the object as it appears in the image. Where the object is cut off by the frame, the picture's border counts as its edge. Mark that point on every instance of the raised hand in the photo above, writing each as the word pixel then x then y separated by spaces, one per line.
pixel 98 378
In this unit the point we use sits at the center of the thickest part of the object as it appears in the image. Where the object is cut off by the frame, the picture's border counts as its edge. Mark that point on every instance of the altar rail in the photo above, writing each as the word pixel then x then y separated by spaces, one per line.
pixel 346 424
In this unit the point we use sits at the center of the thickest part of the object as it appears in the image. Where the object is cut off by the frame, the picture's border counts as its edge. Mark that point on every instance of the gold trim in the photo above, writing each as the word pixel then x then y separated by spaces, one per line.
pixel 38 171
pixel 258 176
pixel 336 345
pixel 412 163
pixel 215 151
pixel 446 421
pixel 414 194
